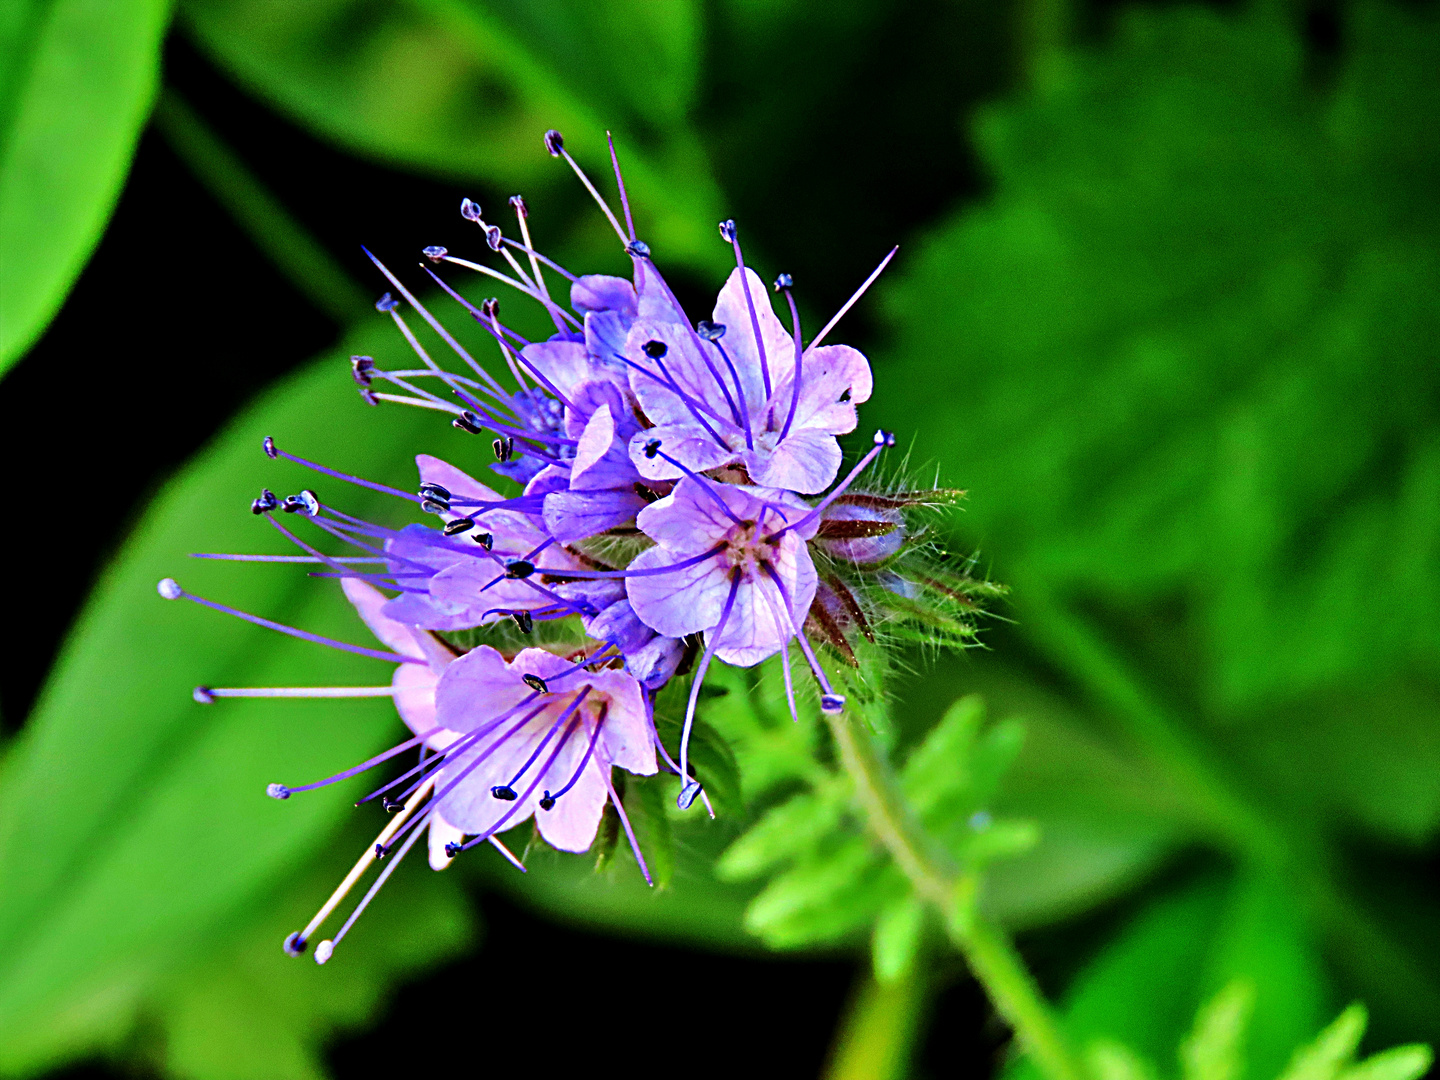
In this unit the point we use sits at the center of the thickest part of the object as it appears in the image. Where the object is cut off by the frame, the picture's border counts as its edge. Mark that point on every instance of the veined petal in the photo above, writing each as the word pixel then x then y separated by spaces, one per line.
pixel 681 601
pixel 807 460
pixel 733 312
pixel 576 515
pixel 688 444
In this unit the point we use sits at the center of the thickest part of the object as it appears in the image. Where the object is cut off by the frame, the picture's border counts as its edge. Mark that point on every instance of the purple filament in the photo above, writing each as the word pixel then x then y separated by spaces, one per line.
pixel 754 316
pixel 710 639
pixel 620 183
pixel 540 747
pixel 382 488
pixel 589 750
pixel 304 635
pixel 799 352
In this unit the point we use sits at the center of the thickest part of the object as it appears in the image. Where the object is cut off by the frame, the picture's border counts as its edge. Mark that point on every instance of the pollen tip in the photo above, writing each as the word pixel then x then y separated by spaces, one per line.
pixel 265 503
pixel 303 502
pixel 485 540
pixel 885 438
pixel 517 202
pixel 554 142
pixel 710 331
pixel 362 368
pixel 277 791
pixel 519 569
pixel 202 695
pixel 504 792
pixel 434 252
pixel 655 350
pixel 452 849
pixel 169 588
pixel 470 209
pixel 638 248
pixel 688 794
pixel 784 281
pixel 652 448
pixel 324 951
pixel 494 237
pixel 386 303
pixel 727 230
pixel 268 445
pixel 548 802
pixel 832 703
pixel 294 944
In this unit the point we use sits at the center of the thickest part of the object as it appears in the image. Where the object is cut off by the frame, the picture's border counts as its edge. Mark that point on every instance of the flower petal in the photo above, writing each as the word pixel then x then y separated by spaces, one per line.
pixel 679 602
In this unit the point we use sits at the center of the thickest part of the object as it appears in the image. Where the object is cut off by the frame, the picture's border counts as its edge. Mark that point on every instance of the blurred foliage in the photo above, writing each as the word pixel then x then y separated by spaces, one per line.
pixel 76 81
pixel 1184 356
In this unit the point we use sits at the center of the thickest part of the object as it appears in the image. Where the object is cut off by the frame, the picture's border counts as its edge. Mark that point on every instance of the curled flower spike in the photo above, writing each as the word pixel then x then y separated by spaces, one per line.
pixel 663 508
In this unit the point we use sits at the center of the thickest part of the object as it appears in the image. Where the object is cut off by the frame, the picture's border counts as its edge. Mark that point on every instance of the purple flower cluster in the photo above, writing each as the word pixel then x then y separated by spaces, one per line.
pixel 677 489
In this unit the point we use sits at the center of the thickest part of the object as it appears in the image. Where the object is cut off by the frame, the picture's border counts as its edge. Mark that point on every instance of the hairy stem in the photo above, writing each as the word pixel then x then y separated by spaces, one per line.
pixel 988 951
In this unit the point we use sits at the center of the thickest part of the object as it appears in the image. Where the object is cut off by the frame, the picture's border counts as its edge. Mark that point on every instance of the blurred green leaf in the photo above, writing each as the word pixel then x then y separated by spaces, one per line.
pixel 466 88
pixel 1214 1049
pixel 1145 987
pixel 132 820
pixel 1191 345
pixel 897 938
pixel 77 78
pixel 211 1013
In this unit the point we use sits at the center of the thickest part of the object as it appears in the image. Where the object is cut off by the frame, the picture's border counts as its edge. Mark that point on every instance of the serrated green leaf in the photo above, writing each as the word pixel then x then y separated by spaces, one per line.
pixel 466 89
pixel 787 831
pixel 77 78
pixel 896 940
pixel 1332 1049
pixel 1191 341
pixel 1398 1063
pixel 1214 1049
pixel 132 820
pixel 940 769
pixel 810 887
pixel 1110 1060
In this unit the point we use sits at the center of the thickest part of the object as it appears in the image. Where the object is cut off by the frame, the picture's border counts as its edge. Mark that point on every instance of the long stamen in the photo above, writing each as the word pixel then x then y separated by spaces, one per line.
pixel 493 829
pixel 670 762
pixel 625 824
pixel 830 701
pixel 349 559
pixel 551 263
pixel 691 787
pixel 575 778
pixel 694 404
pixel 281 791
pixel 555 143
pixel 325 949
pixel 704 484
pixel 620 183
pixel 207 694
pixel 784 282
pixel 540 746
pixel 739 393
pixel 170 590
pixel 588 575
pixel 498 329
pixel 854 297
pixel 273 451
pixel 695 337
pixel 517 285
pixel 729 232
pixel 883 441
pixel 295 943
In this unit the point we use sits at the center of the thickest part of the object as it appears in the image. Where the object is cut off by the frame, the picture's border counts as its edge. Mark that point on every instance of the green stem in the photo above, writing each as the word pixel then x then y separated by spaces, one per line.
pixel 988 951
pixel 297 255
pixel 878 1031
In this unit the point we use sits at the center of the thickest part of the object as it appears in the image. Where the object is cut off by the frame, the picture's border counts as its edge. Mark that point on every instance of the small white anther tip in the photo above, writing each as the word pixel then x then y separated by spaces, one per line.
pixel 323 951
pixel 277 791
pixel 169 588
pixel 202 695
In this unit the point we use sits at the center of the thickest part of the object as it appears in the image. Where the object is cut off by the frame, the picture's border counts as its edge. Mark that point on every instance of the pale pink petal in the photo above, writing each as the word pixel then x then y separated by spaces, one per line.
pixel 370 603
pixel 475 689
pixel 688 444
pixel 833 380
pixel 565 364
pixel 807 461
pixel 626 734
pixel 732 311
pixel 572 516
pixel 758 627
pixel 689 521
pixel 601 292
pixel 441 833
pixel 678 602
pixel 602 458
pixel 571 824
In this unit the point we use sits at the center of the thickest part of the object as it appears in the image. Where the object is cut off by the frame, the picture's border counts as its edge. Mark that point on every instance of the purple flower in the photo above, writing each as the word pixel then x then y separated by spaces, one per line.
pixel 741 392
pixel 541 737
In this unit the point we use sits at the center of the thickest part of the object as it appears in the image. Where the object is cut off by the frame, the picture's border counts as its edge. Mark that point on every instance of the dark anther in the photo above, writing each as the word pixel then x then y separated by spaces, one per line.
pixel 504 792
pixel 504 448
pixel 687 794
pixel 547 801
pixel 832 703
pixel 524 620
pixel 884 438
pixel 467 421
pixel 485 540
pixel 655 349
pixel 362 368
pixel 727 230
pixel 435 491
pixel 519 569
pixel 452 849
pixel 536 683
pixel 268 445
pixel 202 695
pixel 434 252
pixel 710 331
pixel 303 503
pixel 845 396
pixel 652 448
pixel 391 805
pixel 367 395
pixel 470 209
pixel 638 248
pixel 554 142
pixel 490 307
pixel 784 281
pixel 518 203
pixel 265 503
pixel 277 791
pixel 294 944
pixel 494 237
pixel 386 303
pixel 379 851
pixel 458 526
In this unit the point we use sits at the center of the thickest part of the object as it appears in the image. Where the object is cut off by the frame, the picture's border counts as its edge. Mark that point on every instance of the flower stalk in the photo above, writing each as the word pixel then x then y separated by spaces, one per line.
pixel 987 950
